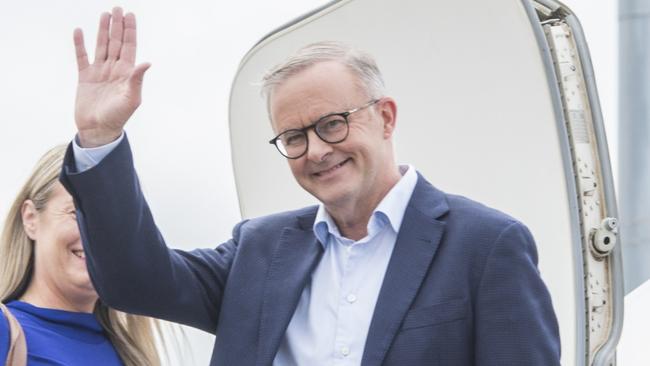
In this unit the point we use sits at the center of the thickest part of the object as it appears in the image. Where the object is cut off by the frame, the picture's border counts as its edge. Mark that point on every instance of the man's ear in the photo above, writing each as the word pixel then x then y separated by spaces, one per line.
pixel 387 109
pixel 29 215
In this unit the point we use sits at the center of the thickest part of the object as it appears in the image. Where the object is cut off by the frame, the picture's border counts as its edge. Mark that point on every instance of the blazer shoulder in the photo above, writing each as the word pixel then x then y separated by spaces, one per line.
pixel 467 210
pixel 460 214
pixel 482 226
pixel 302 218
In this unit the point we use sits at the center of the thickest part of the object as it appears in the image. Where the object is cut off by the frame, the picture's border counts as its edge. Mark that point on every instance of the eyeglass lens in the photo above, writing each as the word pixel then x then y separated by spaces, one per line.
pixel 331 129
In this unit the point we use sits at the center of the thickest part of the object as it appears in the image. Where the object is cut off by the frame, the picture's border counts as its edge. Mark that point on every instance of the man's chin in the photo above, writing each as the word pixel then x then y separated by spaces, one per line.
pixel 330 194
pixel 332 198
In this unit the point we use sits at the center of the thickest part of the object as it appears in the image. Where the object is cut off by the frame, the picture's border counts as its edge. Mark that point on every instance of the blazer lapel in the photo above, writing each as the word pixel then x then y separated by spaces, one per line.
pixel 294 260
pixel 415 247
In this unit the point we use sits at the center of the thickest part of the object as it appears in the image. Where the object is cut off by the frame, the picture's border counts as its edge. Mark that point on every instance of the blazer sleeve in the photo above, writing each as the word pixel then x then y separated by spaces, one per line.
pixel 129 263
pixel 515 322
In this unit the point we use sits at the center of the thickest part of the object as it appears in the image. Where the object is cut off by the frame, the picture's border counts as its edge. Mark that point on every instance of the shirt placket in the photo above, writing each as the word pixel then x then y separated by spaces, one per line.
pixel 346 346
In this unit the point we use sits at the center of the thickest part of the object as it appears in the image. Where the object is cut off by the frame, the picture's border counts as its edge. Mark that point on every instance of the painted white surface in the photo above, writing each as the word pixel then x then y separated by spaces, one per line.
pixel 180 133
pixel 633 347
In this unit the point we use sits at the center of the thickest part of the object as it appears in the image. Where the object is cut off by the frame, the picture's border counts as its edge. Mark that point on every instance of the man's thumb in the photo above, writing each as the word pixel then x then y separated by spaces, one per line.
pixel 137 76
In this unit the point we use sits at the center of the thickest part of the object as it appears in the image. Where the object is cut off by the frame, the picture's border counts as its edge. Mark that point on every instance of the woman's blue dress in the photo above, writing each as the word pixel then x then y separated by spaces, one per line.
pixel 58 337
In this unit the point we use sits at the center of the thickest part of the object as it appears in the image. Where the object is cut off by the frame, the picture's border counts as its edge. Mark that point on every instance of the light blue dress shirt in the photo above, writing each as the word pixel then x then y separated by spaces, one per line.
pixel 86 158
pixel 331 322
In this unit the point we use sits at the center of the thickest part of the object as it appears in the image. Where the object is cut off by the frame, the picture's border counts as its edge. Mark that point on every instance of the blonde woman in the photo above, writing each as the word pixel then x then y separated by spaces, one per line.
pixel 46 287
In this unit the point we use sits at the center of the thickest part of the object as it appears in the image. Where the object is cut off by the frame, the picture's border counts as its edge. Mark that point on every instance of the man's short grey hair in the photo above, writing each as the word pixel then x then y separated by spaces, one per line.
pixel 360 63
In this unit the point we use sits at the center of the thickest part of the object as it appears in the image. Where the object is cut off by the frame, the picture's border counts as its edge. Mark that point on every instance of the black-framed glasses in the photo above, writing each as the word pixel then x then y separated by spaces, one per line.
pixel 332 128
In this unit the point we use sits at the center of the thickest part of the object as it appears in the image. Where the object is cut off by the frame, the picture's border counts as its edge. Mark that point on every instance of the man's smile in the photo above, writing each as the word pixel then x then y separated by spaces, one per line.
pixel 328 171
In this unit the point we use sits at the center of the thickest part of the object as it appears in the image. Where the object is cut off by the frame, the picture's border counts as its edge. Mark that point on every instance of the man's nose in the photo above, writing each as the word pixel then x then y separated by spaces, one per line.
pixel 318 149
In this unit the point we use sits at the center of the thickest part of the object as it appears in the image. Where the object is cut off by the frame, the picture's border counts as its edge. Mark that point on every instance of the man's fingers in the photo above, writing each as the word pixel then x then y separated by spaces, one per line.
pixel 137 76
pixel 101 49
pixel 116 34
pixel 80 49
pixel 129 44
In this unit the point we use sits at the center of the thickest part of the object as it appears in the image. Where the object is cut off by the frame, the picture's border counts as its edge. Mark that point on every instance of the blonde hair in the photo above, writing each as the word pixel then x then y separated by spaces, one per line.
pixel 133 336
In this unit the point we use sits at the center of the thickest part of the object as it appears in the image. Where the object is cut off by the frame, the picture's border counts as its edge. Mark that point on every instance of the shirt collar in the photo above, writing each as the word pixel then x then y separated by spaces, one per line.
pixel 391 208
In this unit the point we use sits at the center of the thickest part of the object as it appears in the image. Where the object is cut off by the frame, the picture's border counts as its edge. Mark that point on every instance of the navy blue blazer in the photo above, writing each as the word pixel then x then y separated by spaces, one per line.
pixel 461 288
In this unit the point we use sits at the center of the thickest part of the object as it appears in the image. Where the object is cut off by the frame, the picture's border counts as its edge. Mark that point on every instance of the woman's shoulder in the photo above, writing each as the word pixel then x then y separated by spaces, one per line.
pixel 4 337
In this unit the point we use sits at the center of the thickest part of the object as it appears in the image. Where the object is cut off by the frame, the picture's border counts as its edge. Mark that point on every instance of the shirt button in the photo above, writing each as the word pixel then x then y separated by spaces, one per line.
pixel 351 298
pixel 345 351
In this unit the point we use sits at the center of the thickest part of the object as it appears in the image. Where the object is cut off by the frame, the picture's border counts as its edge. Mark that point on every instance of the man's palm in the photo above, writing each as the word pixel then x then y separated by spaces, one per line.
pixel 109 89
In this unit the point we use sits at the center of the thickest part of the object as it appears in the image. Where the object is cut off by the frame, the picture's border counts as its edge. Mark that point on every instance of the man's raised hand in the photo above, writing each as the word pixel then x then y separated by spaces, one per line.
pixel 109 89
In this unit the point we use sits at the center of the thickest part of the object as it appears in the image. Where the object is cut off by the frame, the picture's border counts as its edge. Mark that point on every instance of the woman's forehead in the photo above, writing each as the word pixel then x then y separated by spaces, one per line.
pixel 60 196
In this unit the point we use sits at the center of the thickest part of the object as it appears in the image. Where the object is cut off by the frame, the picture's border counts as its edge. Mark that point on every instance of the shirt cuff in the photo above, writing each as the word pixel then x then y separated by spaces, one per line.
pixel 86 158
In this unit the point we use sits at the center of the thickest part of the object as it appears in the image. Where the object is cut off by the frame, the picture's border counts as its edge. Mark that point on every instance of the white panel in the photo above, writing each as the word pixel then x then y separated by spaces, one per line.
pixel 633 346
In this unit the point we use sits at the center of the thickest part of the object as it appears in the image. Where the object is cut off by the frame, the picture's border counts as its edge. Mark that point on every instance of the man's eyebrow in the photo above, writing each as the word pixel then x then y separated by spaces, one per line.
pixel 329 115
pixel 325 116
pixel 312 122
